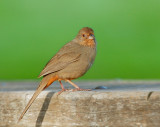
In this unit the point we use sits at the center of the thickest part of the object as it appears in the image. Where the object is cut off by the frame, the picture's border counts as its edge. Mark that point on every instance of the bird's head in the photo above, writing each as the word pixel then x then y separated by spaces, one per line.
pixel 86 37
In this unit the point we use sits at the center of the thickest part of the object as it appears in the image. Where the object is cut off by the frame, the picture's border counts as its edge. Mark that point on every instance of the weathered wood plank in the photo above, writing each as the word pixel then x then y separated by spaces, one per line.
pixel 82 109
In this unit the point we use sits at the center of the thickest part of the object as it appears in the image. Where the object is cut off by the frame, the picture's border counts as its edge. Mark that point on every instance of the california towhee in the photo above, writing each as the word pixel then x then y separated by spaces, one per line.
pixel 71 62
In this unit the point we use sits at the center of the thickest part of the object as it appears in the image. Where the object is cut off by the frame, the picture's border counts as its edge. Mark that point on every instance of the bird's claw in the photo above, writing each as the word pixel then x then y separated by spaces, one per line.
pixel 79 89
pixel 73 90
pixel 63 90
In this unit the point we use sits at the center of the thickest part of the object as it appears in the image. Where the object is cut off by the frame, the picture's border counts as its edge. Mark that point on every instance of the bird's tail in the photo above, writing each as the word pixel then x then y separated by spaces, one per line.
pixel 46 81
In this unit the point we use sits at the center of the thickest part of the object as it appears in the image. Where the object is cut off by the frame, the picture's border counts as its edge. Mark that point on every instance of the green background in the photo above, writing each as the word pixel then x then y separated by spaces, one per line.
pixel 127 32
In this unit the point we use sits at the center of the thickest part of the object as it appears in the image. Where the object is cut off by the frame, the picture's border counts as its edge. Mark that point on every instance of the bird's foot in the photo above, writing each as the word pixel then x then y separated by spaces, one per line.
pixel 63 90
pixel 79 89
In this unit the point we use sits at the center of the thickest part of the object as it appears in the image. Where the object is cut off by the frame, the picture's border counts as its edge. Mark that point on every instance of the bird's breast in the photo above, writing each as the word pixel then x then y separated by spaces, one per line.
pixel 80 67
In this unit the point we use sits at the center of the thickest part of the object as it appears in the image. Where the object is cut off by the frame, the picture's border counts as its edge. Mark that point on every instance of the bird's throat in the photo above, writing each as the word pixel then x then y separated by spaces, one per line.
pixel 89 43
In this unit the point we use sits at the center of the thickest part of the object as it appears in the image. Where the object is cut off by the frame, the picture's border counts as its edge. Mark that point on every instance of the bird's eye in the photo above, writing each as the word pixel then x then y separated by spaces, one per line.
pixel 83 35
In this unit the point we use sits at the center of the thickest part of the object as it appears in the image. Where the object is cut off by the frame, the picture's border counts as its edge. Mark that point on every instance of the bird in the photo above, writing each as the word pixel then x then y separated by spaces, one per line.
pixel 72 61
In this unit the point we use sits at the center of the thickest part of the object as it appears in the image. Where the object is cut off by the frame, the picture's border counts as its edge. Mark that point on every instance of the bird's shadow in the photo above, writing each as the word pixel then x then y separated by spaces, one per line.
pixel 44 108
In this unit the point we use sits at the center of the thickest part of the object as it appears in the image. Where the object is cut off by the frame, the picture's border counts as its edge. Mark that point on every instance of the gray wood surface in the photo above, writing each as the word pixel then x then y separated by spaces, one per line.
pixel 123 104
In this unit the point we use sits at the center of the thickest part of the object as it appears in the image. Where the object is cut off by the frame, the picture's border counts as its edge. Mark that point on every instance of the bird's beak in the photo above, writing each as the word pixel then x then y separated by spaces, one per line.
pixel 91 37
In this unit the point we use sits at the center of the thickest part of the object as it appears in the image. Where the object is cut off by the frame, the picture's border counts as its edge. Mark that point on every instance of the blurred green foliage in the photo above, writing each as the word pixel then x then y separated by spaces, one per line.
pixel 127 32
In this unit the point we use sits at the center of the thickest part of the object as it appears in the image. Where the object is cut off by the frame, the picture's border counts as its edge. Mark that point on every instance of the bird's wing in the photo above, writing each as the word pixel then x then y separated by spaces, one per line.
pixel 59 62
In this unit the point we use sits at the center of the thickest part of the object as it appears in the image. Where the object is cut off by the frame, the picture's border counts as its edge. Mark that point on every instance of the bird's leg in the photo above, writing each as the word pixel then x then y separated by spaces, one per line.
pixel 63 89
pixel 77 88
pixel 61 85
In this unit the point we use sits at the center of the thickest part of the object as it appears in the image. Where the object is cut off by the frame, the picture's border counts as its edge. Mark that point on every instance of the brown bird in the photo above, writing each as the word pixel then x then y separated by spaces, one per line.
pixel 71 62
